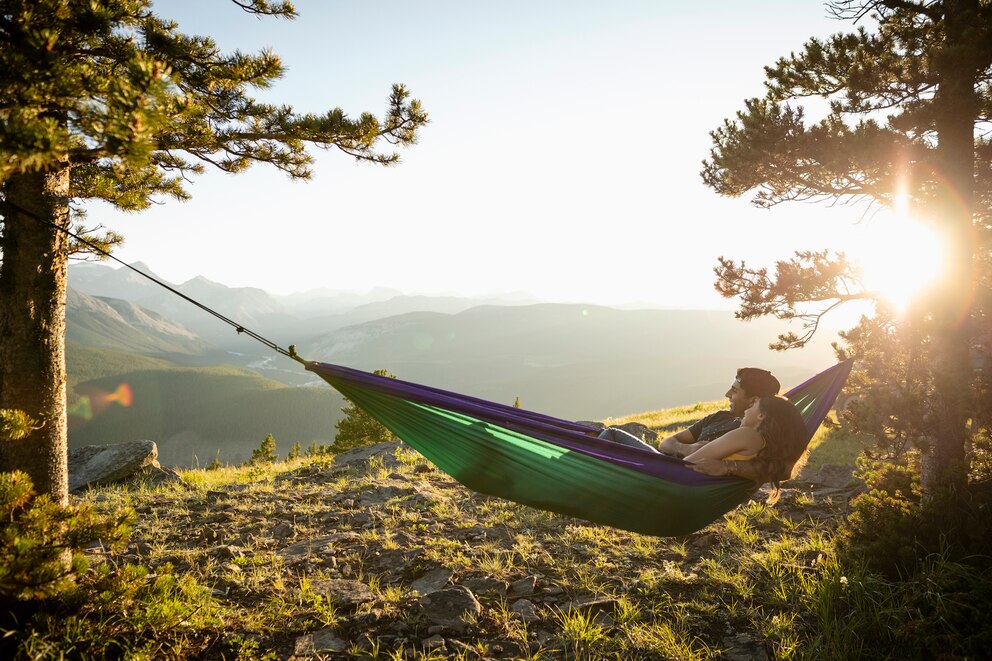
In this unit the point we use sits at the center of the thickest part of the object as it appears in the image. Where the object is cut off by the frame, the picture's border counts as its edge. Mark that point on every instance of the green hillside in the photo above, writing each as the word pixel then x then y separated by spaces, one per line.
pixel 193 414
pixel 86 363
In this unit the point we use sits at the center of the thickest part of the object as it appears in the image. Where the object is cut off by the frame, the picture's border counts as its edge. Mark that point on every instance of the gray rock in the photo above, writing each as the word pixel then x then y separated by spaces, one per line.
pixel 833 476
pixel 158 474
pixel 322 545
pixel 591 423
pixel 434 642
pixel 384 492
pixel 525 609
pixel 448 607
pixel 432 581
pixel 283 530
pixel 485 585
pixel 360 457
pixel 105 464
pixel 522 588
pixel 317 642
pixel 345 592
pixel 743 647
pixel 591 604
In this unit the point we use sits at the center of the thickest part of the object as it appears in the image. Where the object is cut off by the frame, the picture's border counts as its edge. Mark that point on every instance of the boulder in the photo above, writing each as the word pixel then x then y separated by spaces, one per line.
pixel 360 458
pixel 105 464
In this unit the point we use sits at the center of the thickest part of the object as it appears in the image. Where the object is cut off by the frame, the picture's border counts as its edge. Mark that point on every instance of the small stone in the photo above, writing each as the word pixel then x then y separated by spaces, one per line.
pixel 522 588
pixel 225 552
pixel 434 642
pixel 592 604
pixel 283 530
pixel 432 581
pixel 344 592
pixel 525 609
pixel 448 607
pixel 319 641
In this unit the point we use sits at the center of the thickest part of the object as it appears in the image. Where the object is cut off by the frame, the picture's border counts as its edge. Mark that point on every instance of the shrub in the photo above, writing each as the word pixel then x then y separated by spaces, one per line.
pixel 39 539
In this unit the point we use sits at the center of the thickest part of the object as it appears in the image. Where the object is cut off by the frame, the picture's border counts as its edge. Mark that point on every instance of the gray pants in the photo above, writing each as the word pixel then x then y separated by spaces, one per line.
pixel 620 436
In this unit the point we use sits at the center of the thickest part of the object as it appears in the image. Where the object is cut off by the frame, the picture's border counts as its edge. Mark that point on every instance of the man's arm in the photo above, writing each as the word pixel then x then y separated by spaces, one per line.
pixel 749 470
pixel 681 444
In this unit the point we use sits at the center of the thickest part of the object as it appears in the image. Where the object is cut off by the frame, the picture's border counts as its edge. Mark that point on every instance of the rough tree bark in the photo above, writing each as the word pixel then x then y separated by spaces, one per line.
pixel 32 325
pixel 945 470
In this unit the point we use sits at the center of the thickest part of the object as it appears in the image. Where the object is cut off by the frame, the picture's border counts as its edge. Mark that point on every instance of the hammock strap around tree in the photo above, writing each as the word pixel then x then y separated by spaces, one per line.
pixel 559 465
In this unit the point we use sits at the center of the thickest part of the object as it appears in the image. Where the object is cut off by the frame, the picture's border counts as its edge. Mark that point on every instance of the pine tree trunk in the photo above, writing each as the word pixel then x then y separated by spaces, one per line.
pixel 945 471
pixel 32 326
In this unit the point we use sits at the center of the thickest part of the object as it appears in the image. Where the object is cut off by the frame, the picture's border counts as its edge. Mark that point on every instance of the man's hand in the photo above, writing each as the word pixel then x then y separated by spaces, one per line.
pixel 673 447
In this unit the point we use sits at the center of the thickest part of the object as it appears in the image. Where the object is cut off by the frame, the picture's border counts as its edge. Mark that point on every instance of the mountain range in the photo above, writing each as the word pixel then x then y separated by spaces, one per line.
pixel 573 361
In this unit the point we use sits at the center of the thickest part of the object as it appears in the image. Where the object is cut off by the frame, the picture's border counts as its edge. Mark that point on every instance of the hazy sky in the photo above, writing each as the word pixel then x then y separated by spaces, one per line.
pixel 562 158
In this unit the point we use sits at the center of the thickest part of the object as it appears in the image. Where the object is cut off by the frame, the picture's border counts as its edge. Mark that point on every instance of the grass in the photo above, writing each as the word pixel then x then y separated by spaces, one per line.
pixel 221 583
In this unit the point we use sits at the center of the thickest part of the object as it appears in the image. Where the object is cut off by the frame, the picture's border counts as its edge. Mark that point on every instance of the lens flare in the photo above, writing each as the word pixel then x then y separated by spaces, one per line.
pixel 81 409
pixel 93 401
pixel 122 395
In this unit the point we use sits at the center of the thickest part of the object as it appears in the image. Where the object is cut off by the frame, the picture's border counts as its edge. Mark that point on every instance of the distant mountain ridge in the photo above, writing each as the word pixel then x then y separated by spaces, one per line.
pixel 286 320
pixel 573 361
pixel 114 323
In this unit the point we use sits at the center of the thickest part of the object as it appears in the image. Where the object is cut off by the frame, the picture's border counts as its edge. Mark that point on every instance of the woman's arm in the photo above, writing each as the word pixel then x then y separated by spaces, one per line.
pixel 742 439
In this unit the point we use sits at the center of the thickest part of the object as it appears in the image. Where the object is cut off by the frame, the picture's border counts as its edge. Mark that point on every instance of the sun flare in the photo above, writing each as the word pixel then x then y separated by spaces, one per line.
pixel 901 257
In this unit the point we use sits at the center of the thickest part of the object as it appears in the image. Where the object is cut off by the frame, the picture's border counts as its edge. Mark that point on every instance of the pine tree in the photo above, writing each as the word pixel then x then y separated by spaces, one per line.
pixel 105 100
pixel 358 428
pixel 908 112
pixel 265 453
pixel 295 452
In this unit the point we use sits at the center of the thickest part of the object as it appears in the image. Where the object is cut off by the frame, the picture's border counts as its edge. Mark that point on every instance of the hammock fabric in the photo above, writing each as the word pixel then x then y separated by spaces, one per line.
pixel 557 465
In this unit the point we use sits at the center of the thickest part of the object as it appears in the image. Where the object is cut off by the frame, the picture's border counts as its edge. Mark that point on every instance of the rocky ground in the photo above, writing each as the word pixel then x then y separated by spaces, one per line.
pixel 376 554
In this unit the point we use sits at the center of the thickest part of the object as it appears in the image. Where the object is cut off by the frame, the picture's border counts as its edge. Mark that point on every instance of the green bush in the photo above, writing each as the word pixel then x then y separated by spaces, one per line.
pixel 119 612
pixel 40 540
pixel 917 572
pixel 892 529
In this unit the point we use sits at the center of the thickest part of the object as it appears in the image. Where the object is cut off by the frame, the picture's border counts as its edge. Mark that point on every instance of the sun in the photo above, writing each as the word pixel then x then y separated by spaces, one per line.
pixel 901 257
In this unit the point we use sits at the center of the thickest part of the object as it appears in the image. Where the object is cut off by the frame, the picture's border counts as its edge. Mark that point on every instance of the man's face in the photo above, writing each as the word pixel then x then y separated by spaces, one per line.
pixel 739 399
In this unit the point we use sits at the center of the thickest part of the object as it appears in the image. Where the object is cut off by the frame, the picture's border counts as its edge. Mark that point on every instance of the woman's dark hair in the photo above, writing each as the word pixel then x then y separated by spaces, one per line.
pixel 786 438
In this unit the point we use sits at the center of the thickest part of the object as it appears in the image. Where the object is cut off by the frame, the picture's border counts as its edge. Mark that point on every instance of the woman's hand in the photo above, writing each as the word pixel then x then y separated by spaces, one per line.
pixel 714 467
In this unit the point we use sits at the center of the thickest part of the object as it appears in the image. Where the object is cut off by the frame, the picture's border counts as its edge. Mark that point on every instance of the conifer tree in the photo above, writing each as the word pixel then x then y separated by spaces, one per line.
pixel 295 452
pixel 910 109
pixel 265 453
pixel 105 100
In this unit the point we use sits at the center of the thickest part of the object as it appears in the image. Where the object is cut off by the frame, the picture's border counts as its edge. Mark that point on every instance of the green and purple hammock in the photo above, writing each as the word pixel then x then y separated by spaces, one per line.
pixel 557 465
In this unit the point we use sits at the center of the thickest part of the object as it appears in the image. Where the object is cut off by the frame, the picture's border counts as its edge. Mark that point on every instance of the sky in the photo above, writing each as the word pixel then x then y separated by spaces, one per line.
pixel 562 158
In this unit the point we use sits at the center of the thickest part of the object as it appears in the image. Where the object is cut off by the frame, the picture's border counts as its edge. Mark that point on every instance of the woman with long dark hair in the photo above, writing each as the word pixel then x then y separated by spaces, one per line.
pixel 772 434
